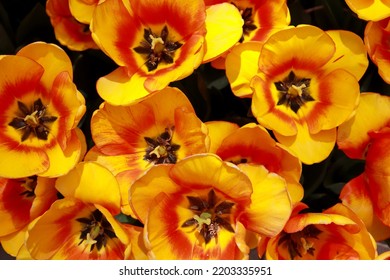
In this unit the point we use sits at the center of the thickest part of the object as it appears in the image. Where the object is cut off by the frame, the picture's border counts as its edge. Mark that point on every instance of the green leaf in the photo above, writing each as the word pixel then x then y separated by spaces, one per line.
pixel 126 219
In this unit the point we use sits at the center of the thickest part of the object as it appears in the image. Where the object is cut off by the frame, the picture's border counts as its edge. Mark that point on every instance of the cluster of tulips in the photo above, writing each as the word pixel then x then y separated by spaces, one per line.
pixel 161 182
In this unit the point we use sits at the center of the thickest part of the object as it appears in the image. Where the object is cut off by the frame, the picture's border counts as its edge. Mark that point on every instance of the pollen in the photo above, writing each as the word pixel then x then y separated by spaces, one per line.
pixel 296 90
pixel 156 42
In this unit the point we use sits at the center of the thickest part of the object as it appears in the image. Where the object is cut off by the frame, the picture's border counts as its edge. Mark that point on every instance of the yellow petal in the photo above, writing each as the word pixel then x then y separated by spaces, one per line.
pixel 61 161
pixel 350 55
pixel 206 171
pixel 82 10
pixel 370 9
pixel 224 29
pixel 330 108
pixel 242 66
pixel 361 241
pixel 57 225
pixel 309 148
pixel 270 206
pixel 77 183
pixel 218 131
pixel 12 243
pixel 372 114
pixel 148 186
pixel 117 88
pixel 304 47
pixel 12 159
pixel 52 58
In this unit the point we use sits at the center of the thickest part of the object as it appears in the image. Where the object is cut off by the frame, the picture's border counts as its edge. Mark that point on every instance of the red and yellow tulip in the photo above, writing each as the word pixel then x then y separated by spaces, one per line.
pixel 161 129
pixel 82 225
pixel 40 111
pixel 69 32
pixel 21 201
pixel 303 82
pixel 335 234
pixel 205 208
pixel 153 42
pixel 366 136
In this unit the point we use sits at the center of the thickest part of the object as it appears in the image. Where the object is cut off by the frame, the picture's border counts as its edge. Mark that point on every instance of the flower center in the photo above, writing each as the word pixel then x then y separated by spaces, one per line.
pixel 294 92
pixel 96 230
pixel 29 184
pixel 160 149
pixel 209 216
pixel 157 49
pixel 300 243
pixel 33 120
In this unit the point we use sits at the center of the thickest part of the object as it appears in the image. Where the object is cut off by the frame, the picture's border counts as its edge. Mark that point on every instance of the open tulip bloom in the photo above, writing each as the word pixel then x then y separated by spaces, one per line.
pixel 303 83
pixel 41 108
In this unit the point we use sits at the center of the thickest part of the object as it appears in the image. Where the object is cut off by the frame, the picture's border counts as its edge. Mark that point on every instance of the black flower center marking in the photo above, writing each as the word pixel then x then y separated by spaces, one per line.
pixel 294 91
pixel 33 120
pixel 29 184
pixel 247 16
pixel 96 230
pixel 160 149
pixel 210 215
pixel 300 243
pixel 157 48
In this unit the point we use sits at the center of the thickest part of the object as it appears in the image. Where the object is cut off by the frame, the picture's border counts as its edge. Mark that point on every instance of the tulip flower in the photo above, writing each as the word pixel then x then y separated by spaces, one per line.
pixel 153 43
pixel 366 136
pixel 68 31
pixel 82 225
pixel 335 234
pixel 21 201
pixel 161 129
pixel 204 208
pixel 303 83
pixel 40 111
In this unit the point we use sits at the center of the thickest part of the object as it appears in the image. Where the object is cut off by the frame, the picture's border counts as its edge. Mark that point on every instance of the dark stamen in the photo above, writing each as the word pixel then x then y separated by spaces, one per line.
pixel 294 92
pixel 96 230
pixel 161 149
pixel 209 216
pixel 157 48
pixel 32 121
